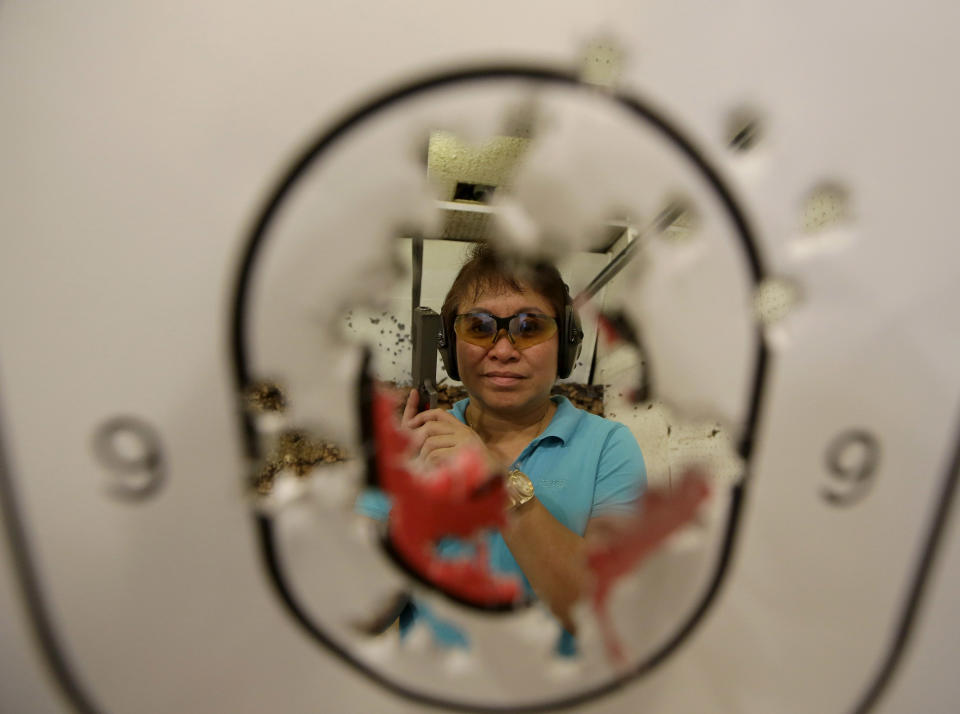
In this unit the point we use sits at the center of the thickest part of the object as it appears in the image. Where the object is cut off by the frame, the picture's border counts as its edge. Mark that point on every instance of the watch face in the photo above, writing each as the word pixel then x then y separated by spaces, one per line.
pixel 521 487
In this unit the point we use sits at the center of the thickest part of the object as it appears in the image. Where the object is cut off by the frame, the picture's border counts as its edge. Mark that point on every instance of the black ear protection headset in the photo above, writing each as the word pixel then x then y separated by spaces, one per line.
pixel 570 341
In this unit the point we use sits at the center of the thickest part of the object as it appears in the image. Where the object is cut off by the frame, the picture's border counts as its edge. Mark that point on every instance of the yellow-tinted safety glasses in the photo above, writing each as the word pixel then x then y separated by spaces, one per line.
pixel 525 329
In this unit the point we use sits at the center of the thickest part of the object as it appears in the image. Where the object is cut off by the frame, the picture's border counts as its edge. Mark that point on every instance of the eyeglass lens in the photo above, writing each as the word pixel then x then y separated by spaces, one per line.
pixel 524 329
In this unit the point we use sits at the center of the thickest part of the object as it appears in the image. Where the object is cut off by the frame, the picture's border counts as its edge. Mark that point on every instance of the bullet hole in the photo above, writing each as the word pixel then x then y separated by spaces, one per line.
pixel 744 129
pixel 774 298
pixel 826 206
pixel 402 326
pixel 299 452
pixel 374 320
pixel 714 432
pixel 266 397
pixel 669 429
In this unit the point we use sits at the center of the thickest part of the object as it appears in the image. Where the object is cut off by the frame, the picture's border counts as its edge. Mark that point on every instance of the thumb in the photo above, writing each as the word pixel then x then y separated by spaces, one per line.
pixel 410 410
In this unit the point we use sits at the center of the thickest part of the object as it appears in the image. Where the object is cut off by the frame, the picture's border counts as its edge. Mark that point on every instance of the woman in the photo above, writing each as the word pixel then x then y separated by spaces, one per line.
pixel 503 327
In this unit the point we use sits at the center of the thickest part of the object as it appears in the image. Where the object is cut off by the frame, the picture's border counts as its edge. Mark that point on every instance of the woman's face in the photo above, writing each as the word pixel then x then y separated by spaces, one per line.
pixel 501 377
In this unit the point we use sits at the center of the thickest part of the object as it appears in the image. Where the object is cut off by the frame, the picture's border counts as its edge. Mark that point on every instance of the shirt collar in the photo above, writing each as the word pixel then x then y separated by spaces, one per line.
pixel 561 427
pixel 564 421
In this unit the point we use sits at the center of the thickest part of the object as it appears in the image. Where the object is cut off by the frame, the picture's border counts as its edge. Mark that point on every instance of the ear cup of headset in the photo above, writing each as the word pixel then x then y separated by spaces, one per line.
pixel 447 347
pixel 571 340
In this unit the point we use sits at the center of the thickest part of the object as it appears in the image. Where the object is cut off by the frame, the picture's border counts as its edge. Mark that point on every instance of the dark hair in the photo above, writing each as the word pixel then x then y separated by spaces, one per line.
pixel 487 271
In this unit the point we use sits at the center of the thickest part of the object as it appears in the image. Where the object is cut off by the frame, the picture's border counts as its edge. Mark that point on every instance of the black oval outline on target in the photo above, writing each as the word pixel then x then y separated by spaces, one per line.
pixel 647 116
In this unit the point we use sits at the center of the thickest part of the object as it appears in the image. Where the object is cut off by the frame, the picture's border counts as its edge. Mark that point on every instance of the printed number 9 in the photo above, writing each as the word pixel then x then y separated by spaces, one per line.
pixel 130 450
pixel 852 460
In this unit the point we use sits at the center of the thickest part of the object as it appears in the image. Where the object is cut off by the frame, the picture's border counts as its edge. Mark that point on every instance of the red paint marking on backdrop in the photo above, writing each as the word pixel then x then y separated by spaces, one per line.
pixel 661 513
pixel 608 329
pixel 460 498
pixel 616 329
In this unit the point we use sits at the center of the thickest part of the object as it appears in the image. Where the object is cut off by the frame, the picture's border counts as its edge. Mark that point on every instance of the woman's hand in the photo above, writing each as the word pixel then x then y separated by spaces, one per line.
pixel 438 435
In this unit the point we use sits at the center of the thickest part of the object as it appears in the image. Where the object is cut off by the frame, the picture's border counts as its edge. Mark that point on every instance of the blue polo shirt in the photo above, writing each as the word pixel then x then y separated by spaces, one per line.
pixel 581 466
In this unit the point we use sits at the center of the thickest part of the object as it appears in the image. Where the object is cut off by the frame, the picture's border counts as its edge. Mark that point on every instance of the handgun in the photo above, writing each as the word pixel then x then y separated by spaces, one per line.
pixel 425 337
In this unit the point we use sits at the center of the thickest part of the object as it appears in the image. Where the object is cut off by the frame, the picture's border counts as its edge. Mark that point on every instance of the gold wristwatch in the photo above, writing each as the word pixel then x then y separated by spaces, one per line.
pixel 519 488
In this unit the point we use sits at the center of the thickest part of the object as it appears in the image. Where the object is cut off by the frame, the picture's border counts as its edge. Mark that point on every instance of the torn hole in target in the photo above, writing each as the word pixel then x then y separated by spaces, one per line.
pixel 543 172
pixel 289 453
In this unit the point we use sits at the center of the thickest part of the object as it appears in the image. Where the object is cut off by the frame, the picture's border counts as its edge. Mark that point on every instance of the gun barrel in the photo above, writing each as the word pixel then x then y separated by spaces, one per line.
pixel 426 334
